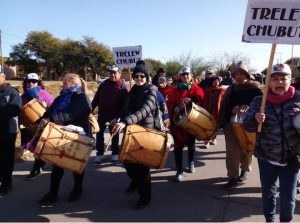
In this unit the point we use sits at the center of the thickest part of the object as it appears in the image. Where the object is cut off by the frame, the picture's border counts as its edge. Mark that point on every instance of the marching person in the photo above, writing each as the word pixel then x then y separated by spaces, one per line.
pixel 73 107
pixel 139 109
pixel 278 138
pixel 206 83
pixel 33 89
pixel 185 91
pixel 160 73
pixel 164 87
pixel 109 99
pixel 236 100
pixel 10 108
pixel 212 100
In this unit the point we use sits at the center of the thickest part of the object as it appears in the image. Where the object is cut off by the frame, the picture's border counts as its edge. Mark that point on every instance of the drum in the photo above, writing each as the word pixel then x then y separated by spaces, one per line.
pixel 195 120
pixel 245 139
pixel 31 112
pixel 93 123
pixel 145 146
pixel 62 148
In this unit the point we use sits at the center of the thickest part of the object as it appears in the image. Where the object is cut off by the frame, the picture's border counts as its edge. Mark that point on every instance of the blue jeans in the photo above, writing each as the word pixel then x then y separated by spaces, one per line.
pixel 100 140
pixel 287 191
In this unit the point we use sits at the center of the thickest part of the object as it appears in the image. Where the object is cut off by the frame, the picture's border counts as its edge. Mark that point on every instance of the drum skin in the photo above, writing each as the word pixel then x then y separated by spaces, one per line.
pixel 31 112
pixel 64 149
pixel 245 139
pixel 145 146
pixel 196 120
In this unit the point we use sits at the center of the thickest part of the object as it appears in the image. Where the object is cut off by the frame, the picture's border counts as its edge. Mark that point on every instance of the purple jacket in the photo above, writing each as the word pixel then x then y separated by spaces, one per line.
pixel 43 96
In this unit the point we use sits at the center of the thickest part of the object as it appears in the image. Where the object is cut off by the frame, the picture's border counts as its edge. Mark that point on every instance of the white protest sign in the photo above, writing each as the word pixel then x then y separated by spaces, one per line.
pixel 127 56
pixel 272 21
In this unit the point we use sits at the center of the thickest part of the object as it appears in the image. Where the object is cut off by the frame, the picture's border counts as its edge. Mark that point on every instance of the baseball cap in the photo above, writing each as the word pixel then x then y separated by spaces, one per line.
pixel 32 76
pixel 113 68
pixel 185 70
pixel 281 69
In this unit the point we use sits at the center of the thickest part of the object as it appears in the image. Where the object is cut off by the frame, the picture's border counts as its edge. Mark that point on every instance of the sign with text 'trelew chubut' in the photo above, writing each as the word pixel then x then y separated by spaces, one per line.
pixel 127 56
pixel 272 21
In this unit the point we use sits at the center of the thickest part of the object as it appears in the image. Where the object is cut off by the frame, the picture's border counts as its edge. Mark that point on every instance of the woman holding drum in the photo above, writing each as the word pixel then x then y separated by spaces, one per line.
pixel 278 143
pixel 139 109
pixel 33 89
pixel 184 92
pixel 71 107
pixel 236 100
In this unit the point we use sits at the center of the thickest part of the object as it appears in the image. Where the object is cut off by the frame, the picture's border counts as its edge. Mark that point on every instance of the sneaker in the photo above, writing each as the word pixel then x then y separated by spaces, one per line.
pixel 244 176
pixel 98 160
pixel 48 200
pixel 114 158
pixel 33 174
pixel 213 142
pixel 75 195
pixel 192 167
pixel 179 177
pixel 232 182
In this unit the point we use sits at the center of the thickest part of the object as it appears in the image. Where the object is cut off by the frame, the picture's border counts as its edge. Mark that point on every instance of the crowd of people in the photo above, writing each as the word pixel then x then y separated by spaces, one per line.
pixel 119 107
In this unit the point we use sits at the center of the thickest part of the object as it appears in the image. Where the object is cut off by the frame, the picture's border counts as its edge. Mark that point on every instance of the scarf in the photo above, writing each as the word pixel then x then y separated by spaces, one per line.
pixel 185 86
pixel 279 99
pixel 32 92
pixel 65 98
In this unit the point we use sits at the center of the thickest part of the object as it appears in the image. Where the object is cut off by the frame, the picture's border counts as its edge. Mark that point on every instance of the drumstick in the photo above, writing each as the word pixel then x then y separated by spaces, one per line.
pixel 112 135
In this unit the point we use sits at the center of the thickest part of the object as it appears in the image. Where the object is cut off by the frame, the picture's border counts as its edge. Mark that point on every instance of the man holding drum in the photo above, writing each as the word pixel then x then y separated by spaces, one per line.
pixel 236 100
pixel 10 108
pixel 277 143
pixel 184 92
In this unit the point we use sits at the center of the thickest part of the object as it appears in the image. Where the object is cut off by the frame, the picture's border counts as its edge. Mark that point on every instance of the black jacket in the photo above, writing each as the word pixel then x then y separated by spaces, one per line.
pixel 76 114
pixel 10 108
pixel 140 106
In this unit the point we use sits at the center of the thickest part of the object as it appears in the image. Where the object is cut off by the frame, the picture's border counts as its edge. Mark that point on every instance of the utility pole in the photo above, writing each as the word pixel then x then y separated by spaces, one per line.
pixel 2 67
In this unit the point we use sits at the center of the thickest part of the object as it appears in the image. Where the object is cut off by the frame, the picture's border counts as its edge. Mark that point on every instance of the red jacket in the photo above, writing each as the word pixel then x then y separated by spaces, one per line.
pixel 175 96
pixel 212 100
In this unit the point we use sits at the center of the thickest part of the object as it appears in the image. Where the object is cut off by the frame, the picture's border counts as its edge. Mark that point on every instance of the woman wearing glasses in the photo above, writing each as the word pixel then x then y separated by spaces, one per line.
pixel 185 91
pixel 33 89
pixel 139 109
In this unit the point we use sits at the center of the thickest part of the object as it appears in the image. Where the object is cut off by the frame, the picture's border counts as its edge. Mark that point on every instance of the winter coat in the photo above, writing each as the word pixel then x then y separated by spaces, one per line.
pixel 110 98
pixel 10 108
pixel 43 96
pixel 270 143
pixel 234 95
pixel 75 114
pixel 140 106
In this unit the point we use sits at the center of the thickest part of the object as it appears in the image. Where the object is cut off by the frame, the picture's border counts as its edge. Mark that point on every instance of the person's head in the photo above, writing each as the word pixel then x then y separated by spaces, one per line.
pixel 280 80
pixel 208 73
pixel 215 81
pixel 114 74
pixel 161 72
pixel 2 77
pixel 74 79
pixel 162 82
pixel 240 73
pixel 31 80
pixel 185 75
pixel 140 74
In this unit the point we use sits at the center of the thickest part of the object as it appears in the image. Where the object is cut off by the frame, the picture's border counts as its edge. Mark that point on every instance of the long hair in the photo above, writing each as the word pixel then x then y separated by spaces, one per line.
pixel 76 80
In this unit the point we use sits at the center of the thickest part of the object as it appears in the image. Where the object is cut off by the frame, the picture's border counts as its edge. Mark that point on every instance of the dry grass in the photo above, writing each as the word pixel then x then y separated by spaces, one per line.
pixel 53 87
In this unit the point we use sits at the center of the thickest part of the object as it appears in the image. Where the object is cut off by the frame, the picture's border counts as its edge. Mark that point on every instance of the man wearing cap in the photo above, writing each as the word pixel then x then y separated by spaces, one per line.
pixel 236 101
pixel 278 144
pixel 109 99
pixel 10 108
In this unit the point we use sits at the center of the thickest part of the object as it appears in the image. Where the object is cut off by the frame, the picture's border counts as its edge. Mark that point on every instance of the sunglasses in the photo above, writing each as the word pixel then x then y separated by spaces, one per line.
pixel 32 81
pixel 141 76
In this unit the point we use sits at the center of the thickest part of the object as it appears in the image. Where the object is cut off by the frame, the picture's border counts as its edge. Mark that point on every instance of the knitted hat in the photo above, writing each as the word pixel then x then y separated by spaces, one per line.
pixel 241 67
pixel 281 69
pixel 141 68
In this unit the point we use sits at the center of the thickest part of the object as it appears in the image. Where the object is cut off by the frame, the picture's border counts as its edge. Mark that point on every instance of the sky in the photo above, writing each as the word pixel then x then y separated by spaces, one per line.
pixel 166 29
